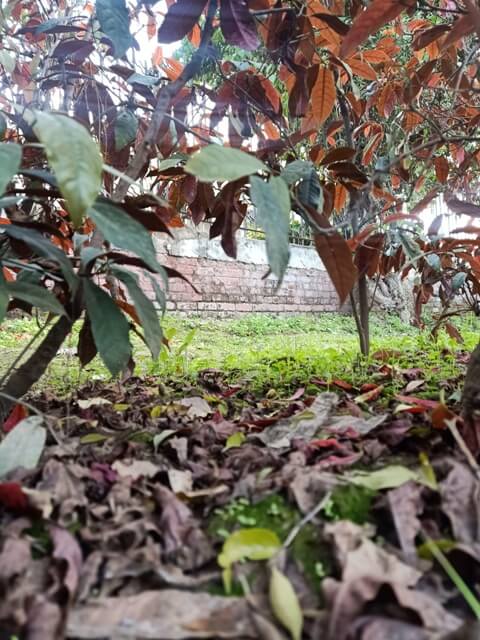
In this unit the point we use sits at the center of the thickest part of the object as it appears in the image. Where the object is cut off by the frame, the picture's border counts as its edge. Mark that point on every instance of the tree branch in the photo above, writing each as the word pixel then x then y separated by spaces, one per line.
pixel 165 96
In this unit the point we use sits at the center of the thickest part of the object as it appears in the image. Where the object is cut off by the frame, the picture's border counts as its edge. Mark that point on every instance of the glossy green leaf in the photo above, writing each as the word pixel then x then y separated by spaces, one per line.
pixel 285 604
pixel 23 445
pixel 458 281
pixel 75 159
pixel 296 170
pixel 235 440
pixel 115 24
pixel 215 162
pixel 251 544
pixel 123 231
pixel 109 328
pixel 146 311
pixel 35 295
pixel 272 201
pixel 125 129
pixel 10 159
pixel 44 248
pixel 93 438
pixel 387 478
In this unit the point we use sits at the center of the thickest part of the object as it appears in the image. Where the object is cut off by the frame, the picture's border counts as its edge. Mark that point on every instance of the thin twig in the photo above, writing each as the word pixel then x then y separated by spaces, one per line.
pixel 306 519
pixel 452 425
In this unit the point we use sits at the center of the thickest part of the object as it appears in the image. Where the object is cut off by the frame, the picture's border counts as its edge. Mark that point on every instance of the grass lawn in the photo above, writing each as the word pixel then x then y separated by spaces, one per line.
pixel 263 351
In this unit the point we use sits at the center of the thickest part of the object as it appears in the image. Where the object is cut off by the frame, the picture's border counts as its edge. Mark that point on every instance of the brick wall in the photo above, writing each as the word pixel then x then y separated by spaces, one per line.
pixel 234 287
pixel 228 286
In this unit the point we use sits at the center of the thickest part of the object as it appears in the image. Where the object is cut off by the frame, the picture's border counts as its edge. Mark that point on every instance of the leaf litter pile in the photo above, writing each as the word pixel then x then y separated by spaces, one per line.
pixel 145 511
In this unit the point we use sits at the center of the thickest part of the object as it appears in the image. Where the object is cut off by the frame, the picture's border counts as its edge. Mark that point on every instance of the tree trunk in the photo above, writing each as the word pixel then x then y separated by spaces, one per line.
pixel 471 403
pixel 22 379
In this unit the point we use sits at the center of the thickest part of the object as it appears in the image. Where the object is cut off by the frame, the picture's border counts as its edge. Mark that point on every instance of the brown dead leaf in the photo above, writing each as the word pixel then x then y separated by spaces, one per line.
pixel 460 494
pixel 184 543
pixel 366 568
pixel 197 407
pixel 66 550
pixel 413 385
pixel 304 424
pixel 379 628
pixel 180 481
pixel 135 469
pixel 406 504
pixel 163 615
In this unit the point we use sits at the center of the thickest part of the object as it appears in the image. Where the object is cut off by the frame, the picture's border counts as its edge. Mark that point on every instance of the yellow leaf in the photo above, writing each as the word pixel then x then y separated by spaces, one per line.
pixel 285 604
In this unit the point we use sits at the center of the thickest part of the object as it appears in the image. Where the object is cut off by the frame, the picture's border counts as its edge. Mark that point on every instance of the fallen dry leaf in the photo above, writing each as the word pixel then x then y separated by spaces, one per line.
pixel 163 615
pixel 304 424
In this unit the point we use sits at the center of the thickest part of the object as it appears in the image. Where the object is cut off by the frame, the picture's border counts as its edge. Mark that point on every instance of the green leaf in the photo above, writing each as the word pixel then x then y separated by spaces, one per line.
pixel 285 604
pixel 145 309
pixel 215 162
pixel 458 281
pixel 75 159
pixel 310 192
pixel 125 129
pixel 387 478
pixel 93 438
pixel 44 248
pixel 272 201
pixel 115 24
pixel 434 261
pixel 251 544
pixel 23 445
pixel 123 231
pixel 35 295
pixel 235 440
pixel 411 248
pixel 3 126
pixel 109 328
pixel 10 159
pixel 296 170
pixel 141 78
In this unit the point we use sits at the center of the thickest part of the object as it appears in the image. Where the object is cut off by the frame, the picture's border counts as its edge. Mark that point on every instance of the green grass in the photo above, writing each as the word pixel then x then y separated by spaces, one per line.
pixel 264 351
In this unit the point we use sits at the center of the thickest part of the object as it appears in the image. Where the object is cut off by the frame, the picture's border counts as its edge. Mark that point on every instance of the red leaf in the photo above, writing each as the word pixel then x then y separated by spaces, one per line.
pixel 453 332
pixel 461 28
pixel 421 402
pixel 424 38
pixel 322 99
pixel 441 169
pixel 346 386
pixel 180 20
pixel 440 414
pixel 368 396
pixel 337 258
pixel 238 25
pixel 12 496
pixel 378 13
pixel 17 414
pixel 337 155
